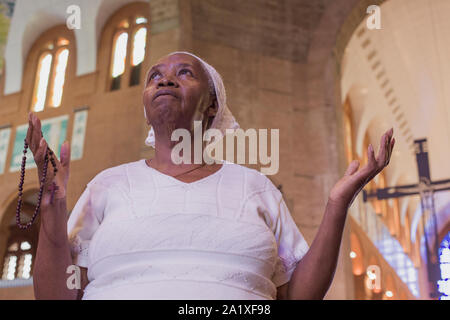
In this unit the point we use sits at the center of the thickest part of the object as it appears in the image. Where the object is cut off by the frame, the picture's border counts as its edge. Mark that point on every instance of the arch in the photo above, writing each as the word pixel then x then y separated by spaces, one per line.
pixel 50 41
pixel 113 26
pixel 107 8
pixel 349 131
pixel 396 217
pixel 38 16
pixel 16 243
pixel 417 234
pixel 416 221
pixel 361 121
pixel 406 241
pixel 411 205
pixel 44 14
pixel 337 60
pixel 324 44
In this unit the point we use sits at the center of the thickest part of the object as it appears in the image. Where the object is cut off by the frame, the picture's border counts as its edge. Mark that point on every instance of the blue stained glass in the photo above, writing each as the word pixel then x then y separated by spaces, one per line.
pixel 444 260
pixel 393 253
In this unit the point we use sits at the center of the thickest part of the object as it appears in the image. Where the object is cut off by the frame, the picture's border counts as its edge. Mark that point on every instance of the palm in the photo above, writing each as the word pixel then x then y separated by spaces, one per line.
pixel 348 187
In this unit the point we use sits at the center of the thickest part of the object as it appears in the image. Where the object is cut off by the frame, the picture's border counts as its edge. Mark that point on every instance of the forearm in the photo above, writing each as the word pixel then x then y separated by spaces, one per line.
pixel 314 273
pixel 53 255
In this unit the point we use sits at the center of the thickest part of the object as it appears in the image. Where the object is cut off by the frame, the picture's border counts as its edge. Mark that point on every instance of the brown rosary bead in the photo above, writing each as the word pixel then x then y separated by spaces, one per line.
pixel 49 153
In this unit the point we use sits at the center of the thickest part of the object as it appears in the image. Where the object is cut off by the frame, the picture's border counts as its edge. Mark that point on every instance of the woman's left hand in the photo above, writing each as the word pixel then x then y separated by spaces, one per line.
pixel 354 180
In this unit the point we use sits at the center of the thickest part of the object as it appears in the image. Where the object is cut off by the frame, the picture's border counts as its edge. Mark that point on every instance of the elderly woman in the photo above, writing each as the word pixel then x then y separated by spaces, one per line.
pixel 153 229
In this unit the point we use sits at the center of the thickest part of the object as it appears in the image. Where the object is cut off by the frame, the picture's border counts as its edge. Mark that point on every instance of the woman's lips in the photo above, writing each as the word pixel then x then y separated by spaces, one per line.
pixel 164 93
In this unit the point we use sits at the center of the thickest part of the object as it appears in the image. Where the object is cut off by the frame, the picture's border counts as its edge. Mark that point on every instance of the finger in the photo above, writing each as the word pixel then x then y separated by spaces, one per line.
pixel 40 152
pixel 390 137
pixel 36 135
pixel 392 144
pixel 50 175
pixel 39 157
pixel 65 154
pixel 391 133
pixel 352 168
pixel 29 131
pixel 382 153
pixel 371 156
pixel 371 168
pixel 33 144
pixel 391 148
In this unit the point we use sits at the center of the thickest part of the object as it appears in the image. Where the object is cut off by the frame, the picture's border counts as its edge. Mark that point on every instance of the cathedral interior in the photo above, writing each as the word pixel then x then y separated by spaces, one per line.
pixel 332 76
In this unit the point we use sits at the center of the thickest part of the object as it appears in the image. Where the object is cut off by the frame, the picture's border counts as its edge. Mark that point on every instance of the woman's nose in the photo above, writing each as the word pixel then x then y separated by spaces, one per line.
pixel 165 82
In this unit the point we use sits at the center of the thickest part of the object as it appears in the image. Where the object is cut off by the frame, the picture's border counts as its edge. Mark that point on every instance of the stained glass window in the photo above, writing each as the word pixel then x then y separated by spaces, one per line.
pixel 444 260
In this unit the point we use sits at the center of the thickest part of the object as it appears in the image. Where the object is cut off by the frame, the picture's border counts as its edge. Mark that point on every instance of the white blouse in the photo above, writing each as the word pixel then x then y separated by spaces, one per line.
pixel 146 235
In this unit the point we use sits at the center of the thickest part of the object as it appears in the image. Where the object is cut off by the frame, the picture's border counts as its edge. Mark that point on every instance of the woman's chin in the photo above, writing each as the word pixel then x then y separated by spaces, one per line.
pixel 163 114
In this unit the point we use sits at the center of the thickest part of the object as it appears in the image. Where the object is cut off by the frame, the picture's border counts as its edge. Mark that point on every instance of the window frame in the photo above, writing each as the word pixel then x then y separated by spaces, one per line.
pixel 17 235
pixel 111 32
pixel 43 44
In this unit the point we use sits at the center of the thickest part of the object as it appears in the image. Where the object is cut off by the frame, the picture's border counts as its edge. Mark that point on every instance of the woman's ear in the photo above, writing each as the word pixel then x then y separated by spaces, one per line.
pixel 213 108
pixel 211 112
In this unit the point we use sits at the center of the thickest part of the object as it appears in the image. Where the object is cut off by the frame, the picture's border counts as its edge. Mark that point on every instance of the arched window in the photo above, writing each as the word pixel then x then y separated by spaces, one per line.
pixel 128 51
pixel 50 74
pixel 18 260
pixel 17 246
pixel 444 261
pixel 20 245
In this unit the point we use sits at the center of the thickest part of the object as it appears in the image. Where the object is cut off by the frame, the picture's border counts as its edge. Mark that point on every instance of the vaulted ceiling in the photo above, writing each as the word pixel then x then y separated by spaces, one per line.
pixel 399 76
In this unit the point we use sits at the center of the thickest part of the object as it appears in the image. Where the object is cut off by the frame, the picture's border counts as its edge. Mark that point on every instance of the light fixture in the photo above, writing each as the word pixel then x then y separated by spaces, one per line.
pixel 352 254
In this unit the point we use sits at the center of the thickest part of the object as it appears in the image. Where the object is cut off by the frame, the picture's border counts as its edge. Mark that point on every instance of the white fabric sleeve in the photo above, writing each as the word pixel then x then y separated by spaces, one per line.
pixel 84 220
pixel 291 244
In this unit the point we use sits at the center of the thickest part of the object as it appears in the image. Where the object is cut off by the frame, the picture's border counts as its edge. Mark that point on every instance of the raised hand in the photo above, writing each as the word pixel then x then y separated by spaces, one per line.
pixel 354 180
pixel 38 147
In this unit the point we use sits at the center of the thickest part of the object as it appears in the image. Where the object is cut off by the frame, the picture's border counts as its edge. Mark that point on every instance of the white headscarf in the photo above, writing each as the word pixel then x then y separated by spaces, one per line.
pixel 223 119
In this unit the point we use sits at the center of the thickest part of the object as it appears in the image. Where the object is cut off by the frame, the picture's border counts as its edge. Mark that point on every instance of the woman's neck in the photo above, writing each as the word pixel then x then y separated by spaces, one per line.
pixel 163 158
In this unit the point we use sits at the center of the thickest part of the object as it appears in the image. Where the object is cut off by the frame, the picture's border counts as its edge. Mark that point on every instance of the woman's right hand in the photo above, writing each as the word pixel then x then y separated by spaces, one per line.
pixel 38 147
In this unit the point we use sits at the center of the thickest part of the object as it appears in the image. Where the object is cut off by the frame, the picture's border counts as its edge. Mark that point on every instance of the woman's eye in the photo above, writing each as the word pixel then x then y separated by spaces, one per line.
pixel 153 75
pixel 183 71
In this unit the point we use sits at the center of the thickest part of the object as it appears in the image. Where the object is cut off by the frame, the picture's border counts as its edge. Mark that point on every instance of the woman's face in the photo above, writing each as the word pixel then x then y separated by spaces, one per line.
pixel 177 93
